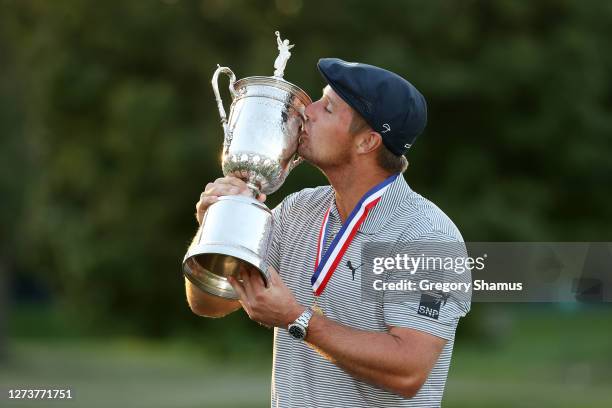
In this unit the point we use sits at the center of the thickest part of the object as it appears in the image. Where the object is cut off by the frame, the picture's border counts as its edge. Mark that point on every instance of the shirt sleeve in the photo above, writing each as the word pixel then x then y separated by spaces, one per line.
pixel 434 311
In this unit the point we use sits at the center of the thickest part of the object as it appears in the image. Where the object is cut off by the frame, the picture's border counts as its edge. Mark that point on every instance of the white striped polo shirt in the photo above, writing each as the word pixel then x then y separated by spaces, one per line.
pixel 300 376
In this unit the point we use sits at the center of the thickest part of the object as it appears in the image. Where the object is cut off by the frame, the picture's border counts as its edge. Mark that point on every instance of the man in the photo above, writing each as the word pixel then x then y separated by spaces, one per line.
pixel 331 349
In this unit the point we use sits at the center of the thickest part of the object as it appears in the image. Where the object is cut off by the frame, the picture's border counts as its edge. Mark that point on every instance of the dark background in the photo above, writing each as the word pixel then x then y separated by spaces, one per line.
pixel 110 131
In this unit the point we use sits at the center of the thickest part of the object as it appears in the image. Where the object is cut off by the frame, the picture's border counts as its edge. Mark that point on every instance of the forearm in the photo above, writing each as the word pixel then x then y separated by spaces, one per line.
pixel 207 305
pixel 375 357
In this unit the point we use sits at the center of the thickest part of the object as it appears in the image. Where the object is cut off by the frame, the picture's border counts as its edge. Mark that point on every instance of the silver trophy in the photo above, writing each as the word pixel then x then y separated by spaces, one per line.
pixel 260 147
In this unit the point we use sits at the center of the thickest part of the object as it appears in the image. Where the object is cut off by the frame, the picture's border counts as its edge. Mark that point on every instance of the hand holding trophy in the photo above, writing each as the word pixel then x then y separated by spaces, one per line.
pixel 260 147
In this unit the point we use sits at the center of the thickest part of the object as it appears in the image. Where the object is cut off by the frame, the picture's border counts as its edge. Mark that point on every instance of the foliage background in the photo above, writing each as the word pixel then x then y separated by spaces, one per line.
pixel 109 132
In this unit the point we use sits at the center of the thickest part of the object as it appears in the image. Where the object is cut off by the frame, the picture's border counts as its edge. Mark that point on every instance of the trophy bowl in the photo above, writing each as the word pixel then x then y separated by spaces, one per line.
pixel 265 121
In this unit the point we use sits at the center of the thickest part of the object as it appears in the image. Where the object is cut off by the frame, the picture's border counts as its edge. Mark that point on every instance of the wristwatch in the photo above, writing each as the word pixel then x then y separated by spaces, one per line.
pixel 299 328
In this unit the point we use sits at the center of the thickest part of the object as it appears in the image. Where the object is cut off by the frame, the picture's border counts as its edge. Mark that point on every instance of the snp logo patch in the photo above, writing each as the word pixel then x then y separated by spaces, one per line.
pixel 430 304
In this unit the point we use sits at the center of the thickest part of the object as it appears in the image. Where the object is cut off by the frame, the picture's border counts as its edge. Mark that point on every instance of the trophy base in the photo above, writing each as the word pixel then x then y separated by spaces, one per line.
pixel 234 236
pixel 209 270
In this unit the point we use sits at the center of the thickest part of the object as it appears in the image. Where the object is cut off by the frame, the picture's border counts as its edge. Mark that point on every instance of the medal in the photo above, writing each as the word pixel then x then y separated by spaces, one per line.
pixel 316 308
pixel 326 263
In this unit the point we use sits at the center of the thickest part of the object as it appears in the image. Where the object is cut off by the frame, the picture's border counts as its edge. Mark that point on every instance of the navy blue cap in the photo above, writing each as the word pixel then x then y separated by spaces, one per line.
pixel 391 105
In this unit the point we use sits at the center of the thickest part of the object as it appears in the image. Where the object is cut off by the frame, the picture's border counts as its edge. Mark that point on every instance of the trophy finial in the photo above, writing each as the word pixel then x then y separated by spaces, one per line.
pixel 283 55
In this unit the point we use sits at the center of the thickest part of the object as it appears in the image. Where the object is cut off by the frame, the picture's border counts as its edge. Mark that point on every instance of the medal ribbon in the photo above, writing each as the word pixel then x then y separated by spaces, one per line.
pixel 326 263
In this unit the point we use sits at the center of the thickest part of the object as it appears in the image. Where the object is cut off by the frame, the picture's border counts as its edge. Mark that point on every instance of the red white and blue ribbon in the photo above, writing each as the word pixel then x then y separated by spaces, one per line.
pixel 326 263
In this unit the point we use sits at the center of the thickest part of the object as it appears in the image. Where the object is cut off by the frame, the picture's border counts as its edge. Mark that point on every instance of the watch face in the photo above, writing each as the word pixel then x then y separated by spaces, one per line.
pixel 296 332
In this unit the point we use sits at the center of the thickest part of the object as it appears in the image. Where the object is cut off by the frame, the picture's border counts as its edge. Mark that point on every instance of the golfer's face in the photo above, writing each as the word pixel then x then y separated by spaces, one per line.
pixel 326 140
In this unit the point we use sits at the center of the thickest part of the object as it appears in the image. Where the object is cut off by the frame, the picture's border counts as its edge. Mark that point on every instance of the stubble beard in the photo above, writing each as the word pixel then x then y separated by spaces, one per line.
pixel 324 162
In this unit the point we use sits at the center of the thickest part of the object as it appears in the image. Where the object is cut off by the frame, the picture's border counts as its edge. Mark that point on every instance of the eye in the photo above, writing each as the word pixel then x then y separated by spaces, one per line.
pixel 327 110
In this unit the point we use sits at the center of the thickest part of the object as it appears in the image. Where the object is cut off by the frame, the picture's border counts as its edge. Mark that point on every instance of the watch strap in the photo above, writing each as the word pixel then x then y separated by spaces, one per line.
pixel 304 318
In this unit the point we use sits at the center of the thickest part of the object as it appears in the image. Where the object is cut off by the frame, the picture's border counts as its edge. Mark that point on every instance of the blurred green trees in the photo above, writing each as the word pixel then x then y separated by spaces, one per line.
pixel 110 130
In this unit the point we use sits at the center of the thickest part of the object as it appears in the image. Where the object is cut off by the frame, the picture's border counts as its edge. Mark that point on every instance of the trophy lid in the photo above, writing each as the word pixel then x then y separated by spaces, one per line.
pixel 274 82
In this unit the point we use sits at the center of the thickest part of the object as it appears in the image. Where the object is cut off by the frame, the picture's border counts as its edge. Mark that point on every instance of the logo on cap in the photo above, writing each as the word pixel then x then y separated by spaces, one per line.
pixel 386 127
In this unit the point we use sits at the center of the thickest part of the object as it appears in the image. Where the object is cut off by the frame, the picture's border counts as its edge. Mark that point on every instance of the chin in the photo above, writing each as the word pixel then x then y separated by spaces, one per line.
pixel 305 155
pixel 302 151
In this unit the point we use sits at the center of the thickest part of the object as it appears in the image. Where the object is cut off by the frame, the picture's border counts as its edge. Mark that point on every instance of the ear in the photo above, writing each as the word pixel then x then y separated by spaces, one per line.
pixel 368 141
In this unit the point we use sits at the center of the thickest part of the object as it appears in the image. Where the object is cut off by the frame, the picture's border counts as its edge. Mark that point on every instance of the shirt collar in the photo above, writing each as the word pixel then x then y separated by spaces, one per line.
pixel 378 216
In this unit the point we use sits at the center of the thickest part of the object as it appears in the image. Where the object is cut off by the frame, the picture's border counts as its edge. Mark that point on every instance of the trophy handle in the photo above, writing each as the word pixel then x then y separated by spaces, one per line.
pixel 227 136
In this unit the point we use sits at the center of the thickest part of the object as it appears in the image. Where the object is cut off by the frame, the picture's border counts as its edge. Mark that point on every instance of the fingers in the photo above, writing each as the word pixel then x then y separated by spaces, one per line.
pixel 261 197
pixel 235 181
pixel 241 291
pixel 202 206
pixel 256 281
pixel 228 185
pixel 247 291
pixel 225 183
pixel 247 283
pixel 222 189
pixel 236 186
pixel 231 181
